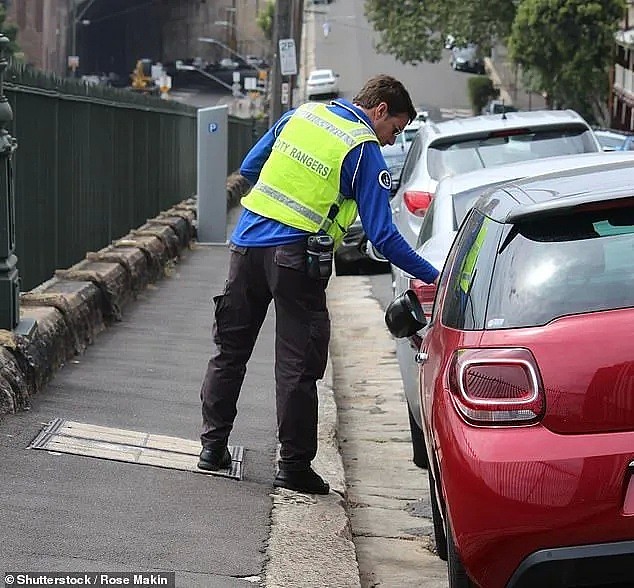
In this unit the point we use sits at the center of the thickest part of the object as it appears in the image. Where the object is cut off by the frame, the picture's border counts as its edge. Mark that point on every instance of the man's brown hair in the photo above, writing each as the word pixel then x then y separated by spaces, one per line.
pixel 384 88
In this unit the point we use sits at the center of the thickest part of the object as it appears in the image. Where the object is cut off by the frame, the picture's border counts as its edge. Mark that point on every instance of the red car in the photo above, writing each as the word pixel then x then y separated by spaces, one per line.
pixel 527 384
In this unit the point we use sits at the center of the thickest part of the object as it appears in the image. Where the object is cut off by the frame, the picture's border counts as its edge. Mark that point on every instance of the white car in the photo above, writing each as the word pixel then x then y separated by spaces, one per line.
pixel 466 144
pixel 322 82
pixel 455 196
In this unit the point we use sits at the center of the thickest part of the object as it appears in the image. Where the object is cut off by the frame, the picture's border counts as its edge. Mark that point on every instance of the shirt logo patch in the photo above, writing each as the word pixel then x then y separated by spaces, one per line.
pixel 385 179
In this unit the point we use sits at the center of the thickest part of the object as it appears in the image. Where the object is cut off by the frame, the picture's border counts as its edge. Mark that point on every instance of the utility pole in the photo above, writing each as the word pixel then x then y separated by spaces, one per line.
pixel 281 30
pixel 296 33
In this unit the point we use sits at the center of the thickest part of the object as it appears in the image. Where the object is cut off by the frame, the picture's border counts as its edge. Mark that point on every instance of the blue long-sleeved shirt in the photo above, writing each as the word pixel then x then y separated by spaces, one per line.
pixel 362 178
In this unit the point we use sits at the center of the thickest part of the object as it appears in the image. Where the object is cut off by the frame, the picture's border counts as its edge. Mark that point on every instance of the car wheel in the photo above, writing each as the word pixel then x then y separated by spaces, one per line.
pixel 439 529
pixel 457 575
pixel 418 442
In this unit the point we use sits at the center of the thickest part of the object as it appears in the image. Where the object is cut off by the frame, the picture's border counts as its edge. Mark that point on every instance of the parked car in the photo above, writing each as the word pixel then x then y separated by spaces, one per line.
pixel 255 62
pixel 455 195
pixel 351 257
pixel 498 107
pixel 525 383
pixel 228 63
pixel 322 82
pixel 467 58
pixel 466 144
pixel 613 140
pixel 395 154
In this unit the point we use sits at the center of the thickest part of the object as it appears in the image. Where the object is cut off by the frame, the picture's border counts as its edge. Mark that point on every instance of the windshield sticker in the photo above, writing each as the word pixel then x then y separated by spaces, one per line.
pixel 385 179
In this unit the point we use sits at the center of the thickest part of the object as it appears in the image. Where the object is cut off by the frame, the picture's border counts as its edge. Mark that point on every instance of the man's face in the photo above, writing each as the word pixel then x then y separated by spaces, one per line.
pixel 386 126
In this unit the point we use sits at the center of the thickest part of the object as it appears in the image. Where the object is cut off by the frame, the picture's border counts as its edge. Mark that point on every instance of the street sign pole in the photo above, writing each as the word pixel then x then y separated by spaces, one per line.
pixel 288 69
pixel 281 32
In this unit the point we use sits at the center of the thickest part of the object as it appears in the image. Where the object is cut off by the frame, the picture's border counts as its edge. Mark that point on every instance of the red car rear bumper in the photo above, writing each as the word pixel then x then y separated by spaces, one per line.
pixel 514 495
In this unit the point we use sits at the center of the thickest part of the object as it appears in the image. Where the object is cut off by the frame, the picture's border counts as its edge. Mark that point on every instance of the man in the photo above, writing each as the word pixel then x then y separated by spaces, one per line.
pixel 310 172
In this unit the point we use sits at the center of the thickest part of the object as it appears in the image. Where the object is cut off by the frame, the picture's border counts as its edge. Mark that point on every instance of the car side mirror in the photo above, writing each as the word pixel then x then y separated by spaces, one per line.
pixel 404 316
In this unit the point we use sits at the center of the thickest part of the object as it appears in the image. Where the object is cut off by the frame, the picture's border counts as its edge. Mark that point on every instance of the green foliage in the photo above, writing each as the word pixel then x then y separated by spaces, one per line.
pixel 10 30
pixel 265 19
pixel 565 47
pixel 481 90
pixel 415 30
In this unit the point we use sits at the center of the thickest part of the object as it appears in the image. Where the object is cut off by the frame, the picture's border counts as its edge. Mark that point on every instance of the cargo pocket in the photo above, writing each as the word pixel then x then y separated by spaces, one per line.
pixel 318 339
pixel 225 329
pixel 292 256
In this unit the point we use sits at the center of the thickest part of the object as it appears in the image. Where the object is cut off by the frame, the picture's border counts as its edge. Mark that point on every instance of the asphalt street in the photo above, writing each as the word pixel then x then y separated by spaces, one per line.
pixel 433 85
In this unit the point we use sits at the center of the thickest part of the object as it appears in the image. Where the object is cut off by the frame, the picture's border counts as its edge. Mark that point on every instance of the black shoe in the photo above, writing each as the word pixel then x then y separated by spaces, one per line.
pixel 301 481
pixel 214 459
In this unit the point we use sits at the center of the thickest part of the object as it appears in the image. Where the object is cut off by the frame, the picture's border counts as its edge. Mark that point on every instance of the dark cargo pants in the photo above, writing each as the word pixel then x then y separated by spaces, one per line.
pixel 258 275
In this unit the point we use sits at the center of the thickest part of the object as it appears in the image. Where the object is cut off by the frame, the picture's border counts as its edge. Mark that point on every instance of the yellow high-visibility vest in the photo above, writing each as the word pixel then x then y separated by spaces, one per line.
pixel 299 183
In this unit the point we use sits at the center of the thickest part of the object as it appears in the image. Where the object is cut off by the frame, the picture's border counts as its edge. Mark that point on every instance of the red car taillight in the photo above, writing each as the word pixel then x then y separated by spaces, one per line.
pixel 497 386
pixel 417 202
pixel 425 294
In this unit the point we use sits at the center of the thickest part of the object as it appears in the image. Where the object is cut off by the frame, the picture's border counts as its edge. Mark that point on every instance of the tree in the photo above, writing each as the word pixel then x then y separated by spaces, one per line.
pixel 10 30
pixel 415 31
pixel 265 19
pixel 481 90
pixel 566 48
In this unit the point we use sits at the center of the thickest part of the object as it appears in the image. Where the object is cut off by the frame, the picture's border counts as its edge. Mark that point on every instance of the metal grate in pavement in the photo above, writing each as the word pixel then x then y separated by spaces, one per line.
pixel 129 446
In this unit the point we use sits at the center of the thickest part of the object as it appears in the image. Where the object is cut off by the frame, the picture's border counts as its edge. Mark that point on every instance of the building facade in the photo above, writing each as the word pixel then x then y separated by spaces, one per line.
pixel 622 95
pixel 111 35
pixel 42 33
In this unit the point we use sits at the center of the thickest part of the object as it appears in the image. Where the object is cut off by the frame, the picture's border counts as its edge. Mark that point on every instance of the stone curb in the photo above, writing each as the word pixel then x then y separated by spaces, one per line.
pixel 311 535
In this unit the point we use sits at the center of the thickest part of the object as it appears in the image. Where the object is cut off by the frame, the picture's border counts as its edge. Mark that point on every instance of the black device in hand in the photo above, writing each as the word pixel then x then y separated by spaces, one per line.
pixel 319 254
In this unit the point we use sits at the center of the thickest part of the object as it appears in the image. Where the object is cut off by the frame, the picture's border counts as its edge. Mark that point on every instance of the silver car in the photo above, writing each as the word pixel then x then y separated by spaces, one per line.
pixel 467 144
pixel 455 196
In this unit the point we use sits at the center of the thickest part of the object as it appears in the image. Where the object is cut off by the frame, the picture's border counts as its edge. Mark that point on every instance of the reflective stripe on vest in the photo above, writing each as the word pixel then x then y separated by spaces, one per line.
pixel 299 182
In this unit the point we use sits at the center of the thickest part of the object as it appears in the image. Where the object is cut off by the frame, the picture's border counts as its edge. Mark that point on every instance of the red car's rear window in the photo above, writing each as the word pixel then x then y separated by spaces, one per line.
pixel 562 265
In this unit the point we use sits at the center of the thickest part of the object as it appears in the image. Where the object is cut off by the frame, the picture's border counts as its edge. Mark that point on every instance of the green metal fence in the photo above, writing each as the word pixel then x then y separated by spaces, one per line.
pixel 93 163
